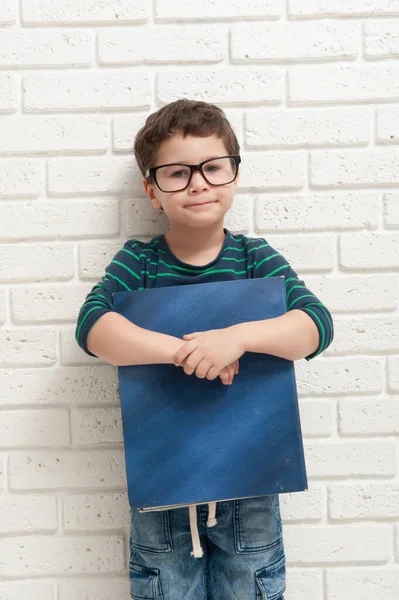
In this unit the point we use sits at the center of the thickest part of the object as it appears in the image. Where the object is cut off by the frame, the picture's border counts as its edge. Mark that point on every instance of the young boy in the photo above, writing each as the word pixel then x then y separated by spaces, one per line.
pixel 189 157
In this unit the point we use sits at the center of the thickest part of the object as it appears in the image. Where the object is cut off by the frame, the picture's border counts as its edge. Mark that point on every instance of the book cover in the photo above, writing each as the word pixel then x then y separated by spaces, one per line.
pixel 189 440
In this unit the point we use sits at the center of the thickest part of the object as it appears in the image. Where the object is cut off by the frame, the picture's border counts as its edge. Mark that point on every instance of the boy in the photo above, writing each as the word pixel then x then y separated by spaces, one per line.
pixel 189 157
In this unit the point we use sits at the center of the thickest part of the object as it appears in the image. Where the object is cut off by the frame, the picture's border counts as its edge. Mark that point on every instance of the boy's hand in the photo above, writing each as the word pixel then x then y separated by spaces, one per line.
pixel 209 352
pixel 227 374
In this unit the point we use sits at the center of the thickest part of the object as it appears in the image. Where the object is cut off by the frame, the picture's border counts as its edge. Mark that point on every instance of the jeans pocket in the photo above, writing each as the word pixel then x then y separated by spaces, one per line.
pixel 150 531
pixel 144 583
pixel 257 524
pixel 270 581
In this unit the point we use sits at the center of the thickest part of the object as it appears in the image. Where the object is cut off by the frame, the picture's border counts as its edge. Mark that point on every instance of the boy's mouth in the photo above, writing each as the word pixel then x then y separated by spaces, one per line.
pixel 200 203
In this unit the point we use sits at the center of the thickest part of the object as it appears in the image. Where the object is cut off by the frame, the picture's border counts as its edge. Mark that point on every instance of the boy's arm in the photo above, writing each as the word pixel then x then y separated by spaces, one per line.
pixel 291 336
pixel 102 332
pixel 118 341
pixel 305 330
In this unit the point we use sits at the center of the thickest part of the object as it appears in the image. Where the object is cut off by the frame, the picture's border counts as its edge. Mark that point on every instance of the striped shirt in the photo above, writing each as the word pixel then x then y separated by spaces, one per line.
pixel 141 265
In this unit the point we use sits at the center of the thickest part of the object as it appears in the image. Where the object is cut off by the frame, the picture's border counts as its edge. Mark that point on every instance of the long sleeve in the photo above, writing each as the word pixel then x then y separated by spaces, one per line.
pixel 122 274
pixel 268 263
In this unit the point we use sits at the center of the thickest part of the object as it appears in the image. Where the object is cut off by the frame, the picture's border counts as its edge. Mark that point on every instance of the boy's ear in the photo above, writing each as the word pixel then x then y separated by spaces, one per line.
pixel 150 192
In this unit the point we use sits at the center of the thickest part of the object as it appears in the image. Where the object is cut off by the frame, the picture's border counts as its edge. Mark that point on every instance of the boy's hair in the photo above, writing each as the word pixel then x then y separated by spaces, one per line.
pixel 188 117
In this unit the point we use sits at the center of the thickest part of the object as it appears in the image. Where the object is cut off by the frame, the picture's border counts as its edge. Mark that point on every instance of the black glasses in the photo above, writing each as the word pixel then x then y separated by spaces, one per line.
pixel 175 177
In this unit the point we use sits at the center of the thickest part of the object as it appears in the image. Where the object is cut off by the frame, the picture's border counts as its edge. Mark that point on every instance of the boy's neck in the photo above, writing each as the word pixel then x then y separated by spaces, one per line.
pixel 191 241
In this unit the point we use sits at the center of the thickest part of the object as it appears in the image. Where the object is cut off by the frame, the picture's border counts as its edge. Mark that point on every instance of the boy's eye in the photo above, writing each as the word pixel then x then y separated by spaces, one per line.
pixel 212 168
pixel 180 173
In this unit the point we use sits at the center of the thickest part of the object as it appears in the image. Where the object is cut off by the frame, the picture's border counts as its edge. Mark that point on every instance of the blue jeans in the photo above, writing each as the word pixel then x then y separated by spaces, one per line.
pixel 243 553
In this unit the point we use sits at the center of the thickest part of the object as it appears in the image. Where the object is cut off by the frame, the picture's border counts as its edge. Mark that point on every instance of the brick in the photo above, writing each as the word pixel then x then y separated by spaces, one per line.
pixel 160 45
pixel 71 353
pixel 8 14
pixel 307 127
pixel 369 251
pixel 317 418
pixel 338 544
pixel 96 512
pixel 37 514
pixel 279 170
pixel 317 212
pixel 306 252
pixel 352 168
pixel 391 210
pixel 307 506
pixel 3 458
pixel 110 175
pixel 368 416
pixel 238 219
pixel 59 219
pixel 363 501
pixel 96 426
pixel 350 459
pixel 364 335
pixel 86 90
pixel 356 293
pixel 95 256
pixel 36 262
pixel 234 86
pixel 125 129
pixel 31 347
pixel 381 39
pixel 337 376
pixel 387 124
pixel 174 10
pixel 59 48
pixel 393 373
pixel 31 428
pixel 293 41
pixel 3 307
pixel 369 583
pixel 8 93
pixel 235 117
pixel 40 12
pixel 339 8
pixel 337 84
pixel 66 469
pixel 98 588
pixel 61 555
pixel 305 584
pixel 20 177
pixel 142 219
pixel 47 303
pixel 94 385
pixel 27 590
pixel 52 135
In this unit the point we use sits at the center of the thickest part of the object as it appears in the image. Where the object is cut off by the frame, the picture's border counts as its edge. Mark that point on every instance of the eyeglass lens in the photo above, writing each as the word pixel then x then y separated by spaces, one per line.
pixel 219 171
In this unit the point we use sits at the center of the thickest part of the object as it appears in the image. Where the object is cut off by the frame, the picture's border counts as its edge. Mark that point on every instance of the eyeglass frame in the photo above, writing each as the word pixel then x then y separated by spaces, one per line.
pixel 153 170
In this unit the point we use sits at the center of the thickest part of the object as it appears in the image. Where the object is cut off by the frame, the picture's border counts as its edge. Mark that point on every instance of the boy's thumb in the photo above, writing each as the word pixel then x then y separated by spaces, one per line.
pixel 190 336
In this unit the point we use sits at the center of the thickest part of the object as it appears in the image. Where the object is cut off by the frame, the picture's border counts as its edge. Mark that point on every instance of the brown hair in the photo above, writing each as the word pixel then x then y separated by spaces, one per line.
pixel 188 117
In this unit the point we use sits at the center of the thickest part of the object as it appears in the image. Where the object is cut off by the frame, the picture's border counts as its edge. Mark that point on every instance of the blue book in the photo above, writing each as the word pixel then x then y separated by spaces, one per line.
pixel 189 440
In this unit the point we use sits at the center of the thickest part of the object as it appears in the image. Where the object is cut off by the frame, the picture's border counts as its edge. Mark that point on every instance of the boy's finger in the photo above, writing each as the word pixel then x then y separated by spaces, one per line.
pixel 191 336
pixel 183 353
pixel 224 375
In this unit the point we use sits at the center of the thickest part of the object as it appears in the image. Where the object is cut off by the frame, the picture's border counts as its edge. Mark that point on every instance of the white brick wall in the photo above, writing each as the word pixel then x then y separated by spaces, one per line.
pixel 312 90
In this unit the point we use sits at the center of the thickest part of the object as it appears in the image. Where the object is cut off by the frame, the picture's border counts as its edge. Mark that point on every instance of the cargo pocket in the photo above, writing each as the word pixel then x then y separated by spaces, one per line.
pixel 270 581
pixel 150 531
pixel 144 583
pixel 257 524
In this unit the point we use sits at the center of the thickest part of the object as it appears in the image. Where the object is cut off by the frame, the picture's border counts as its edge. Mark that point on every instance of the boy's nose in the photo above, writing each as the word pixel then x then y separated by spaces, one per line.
pixel 198 181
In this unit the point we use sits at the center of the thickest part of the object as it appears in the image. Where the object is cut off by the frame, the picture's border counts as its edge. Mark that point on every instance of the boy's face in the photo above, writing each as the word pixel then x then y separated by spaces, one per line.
pixel 200 204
